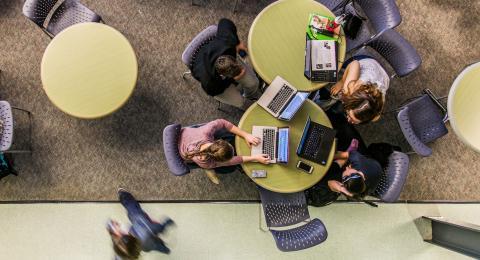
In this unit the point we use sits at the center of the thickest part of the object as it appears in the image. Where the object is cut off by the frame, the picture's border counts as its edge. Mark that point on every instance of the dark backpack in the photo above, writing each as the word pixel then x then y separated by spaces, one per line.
pixel 320 195
pixel 352 22
pixel 6 165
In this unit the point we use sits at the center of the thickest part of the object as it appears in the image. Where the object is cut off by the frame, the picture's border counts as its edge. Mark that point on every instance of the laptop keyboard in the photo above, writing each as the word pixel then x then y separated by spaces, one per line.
pixel 322 76
pixel 268 142
pixel 279 100
pixel 313 142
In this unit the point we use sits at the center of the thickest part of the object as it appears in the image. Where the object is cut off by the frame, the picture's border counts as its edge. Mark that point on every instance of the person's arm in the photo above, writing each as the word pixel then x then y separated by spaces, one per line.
pixel 250 139
pixel 159 227
pixel 260 158
pixel 352 72
pixel 338 187
pixel 160 246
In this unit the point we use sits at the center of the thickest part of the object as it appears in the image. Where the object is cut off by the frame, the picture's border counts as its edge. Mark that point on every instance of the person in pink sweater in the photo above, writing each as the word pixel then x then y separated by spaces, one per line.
pixel 198 145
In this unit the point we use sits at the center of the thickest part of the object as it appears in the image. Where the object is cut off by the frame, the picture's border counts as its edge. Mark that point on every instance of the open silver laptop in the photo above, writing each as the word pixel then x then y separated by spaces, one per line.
pixel 282 97
pixel 273 141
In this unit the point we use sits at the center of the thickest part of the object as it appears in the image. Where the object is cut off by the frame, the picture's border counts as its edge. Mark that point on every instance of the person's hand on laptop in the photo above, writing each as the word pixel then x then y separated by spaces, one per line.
pixel 262 158
pixel 252 140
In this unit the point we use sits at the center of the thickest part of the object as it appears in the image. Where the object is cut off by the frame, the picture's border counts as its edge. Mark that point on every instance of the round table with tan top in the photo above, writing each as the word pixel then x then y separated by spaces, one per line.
pixel 284 178
pixel 276 42
pixel 89 70
pixel 463 106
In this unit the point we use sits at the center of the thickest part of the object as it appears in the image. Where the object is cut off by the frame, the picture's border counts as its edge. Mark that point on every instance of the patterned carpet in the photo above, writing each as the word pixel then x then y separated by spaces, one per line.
pixel 87 160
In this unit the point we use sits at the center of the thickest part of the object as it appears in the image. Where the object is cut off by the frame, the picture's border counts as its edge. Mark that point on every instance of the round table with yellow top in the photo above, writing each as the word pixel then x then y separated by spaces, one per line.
pixel 276 42
pixel 89 70
pixel 284 178
pixel 463 106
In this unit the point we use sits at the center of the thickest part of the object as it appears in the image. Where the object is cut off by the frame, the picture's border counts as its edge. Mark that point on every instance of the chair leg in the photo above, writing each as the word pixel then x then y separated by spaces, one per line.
pixel 30 131
pixel 219 107
pixel 260 218
pixel 47 33
pixel 435 99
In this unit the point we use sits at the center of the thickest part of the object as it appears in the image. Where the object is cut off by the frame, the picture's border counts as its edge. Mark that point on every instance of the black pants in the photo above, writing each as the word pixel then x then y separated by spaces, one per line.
pixel 345 131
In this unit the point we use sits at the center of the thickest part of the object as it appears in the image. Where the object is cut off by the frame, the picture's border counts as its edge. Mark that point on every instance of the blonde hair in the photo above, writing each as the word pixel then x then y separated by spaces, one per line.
pixel 219 151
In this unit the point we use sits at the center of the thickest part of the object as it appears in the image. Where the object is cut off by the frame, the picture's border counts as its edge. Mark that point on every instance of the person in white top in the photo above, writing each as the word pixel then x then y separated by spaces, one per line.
pixel 362 90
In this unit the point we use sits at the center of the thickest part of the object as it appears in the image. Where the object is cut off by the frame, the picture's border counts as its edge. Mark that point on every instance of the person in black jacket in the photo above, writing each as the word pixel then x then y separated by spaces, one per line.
pixel 221 73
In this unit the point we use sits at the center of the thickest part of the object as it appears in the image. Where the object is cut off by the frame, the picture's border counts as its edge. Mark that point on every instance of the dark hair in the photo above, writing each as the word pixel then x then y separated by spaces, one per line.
pixel 228 66
pixel 355 185
pixel 366 102
pixel 126 246
pixel 219 151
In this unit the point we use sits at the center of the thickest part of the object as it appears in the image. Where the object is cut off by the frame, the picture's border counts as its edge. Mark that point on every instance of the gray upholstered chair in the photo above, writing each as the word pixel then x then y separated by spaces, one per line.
pixel 382 14
pixel 422 121
pixel 192 49
pixel 175 162
pixel 38 10
pixel 6 138
pixel 54 18
pixel 332 5
pixel 397 51
pixel 287 209
pixel 393 178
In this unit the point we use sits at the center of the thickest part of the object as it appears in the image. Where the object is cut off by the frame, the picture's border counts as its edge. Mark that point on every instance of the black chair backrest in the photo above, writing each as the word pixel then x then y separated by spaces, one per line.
pixel 399 53
pixel 283 209
pixel 38 10
pixel 70 12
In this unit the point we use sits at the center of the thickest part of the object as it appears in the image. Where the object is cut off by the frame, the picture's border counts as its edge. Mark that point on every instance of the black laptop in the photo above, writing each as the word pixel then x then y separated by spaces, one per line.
pixel 316 142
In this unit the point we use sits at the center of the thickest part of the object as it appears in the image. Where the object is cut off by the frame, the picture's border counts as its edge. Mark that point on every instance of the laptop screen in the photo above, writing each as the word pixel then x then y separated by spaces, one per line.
pixel 294 105
pixel 324 56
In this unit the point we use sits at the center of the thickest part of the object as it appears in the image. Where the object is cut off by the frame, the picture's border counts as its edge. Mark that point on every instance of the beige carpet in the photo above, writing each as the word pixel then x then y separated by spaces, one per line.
pixel 87 160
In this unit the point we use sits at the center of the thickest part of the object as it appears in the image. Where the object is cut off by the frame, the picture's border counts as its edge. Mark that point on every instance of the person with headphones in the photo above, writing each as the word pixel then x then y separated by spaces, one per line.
pixel 353 174
pixel 221 73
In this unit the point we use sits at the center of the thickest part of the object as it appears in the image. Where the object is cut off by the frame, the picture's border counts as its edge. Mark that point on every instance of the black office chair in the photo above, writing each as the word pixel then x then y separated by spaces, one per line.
pixel 287 209
pixel 422 121
pixel 393 178
pixel 68 13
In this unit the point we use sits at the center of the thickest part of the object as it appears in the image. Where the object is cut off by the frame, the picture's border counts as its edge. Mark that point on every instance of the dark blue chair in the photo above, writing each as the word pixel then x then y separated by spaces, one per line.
pixel 382 14
pixel 175 162
pixel 286 209
pixel 332 5
pixel 192 49
pixel 393 178
pixel 422 121
pixel 68 13
pixel 397 51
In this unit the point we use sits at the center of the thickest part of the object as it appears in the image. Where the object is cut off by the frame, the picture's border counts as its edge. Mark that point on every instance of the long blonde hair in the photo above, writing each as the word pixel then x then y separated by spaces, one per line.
pixel 219 151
